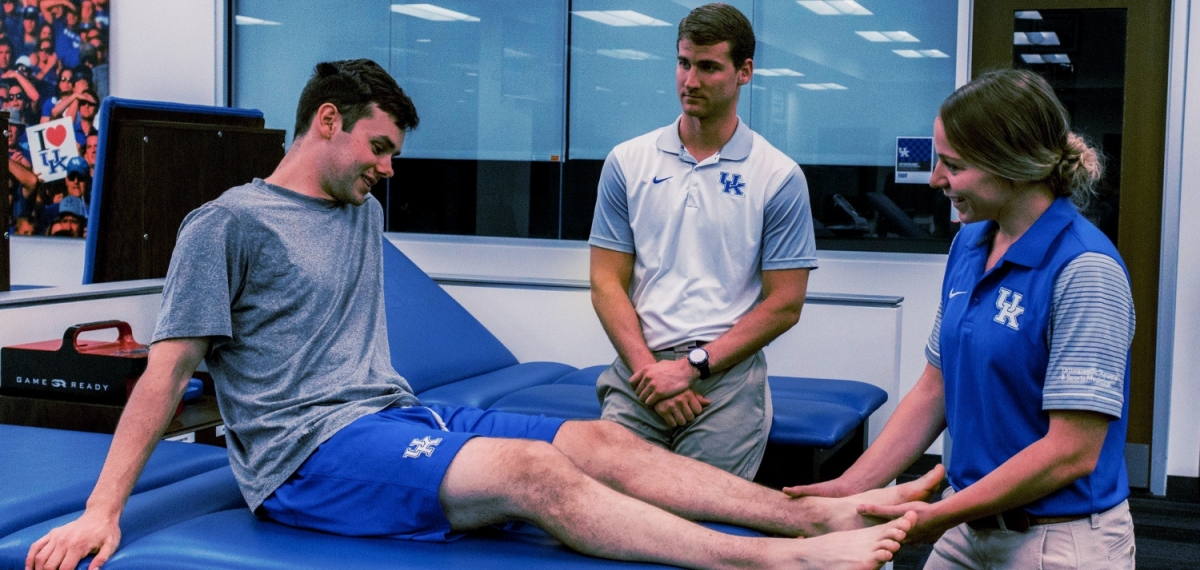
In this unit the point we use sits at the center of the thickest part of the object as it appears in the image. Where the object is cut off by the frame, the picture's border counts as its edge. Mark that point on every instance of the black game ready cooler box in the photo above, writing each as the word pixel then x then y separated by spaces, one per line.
pixel 88 371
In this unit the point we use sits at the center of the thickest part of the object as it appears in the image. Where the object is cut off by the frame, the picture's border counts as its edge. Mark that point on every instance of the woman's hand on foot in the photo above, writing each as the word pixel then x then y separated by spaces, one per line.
pixel 926 525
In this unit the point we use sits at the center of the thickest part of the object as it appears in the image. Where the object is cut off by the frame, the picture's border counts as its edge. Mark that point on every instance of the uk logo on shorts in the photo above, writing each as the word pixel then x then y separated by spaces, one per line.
pixel 423 446
pixel 733 183
pixel 1009 310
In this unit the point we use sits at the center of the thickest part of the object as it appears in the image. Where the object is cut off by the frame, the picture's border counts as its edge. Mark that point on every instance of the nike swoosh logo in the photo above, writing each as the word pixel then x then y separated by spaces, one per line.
pixel 954 294
pixel 657 179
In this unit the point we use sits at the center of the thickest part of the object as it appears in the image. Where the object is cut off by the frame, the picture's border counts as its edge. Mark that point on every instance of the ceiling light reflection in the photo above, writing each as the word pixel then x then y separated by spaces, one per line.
pixel 874 36
pixel 901 37
pixel 433 13
pixel 248 21
pixel 630 54
pixel 896 36
pixel 835 7
pixel 778 72
pixel 822 86
pixel 621 18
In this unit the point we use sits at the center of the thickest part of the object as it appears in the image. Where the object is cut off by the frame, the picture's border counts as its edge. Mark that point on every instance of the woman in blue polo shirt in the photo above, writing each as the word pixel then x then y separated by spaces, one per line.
pixel 1029 357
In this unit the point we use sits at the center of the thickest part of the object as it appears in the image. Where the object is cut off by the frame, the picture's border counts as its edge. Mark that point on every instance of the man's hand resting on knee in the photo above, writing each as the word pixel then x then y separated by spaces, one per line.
pixel 63 547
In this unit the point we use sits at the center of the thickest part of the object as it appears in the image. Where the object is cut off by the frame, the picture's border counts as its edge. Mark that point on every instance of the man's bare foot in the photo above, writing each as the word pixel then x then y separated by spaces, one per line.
pixel 862 549
pixel 842 513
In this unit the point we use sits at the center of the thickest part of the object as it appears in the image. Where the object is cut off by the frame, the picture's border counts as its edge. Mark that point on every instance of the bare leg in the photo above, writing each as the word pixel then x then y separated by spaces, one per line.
pixel 693 490
pixel 492 480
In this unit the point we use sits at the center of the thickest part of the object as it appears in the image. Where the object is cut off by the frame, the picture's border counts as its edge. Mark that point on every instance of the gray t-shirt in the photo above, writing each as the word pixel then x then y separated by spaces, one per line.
pixel 289 291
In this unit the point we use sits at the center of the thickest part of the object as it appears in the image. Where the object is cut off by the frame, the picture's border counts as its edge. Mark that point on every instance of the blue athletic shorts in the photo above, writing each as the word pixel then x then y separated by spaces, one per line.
pixel 380 475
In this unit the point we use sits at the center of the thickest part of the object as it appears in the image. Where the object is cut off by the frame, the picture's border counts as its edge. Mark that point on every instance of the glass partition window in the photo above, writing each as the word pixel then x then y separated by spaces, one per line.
pixel 623 71
pixel 278 43
pixel 838 89
pixel 521 101
pixel 486 77
pixel 834 88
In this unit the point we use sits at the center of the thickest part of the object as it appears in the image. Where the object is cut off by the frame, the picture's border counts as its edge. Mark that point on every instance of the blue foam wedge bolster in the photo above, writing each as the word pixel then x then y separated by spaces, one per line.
pixel 568 401
pixel 48 472
pixel 810 423
pixel 236 540
pixel 584 376
pixel 482 391
pixel 145 513
pixel 862 397
pixel 433 339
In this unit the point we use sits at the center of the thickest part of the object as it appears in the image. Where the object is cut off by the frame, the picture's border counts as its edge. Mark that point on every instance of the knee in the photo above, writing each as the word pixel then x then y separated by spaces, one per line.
pixel 598 437
pixel 532 464
pixel 538 476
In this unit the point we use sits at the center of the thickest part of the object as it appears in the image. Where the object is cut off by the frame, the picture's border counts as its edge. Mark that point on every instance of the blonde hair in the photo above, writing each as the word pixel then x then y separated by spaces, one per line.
pixel 1011 124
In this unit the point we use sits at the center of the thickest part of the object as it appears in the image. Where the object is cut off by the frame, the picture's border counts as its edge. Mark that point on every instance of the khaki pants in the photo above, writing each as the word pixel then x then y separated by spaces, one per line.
pixel 731 433
pixel 1100 542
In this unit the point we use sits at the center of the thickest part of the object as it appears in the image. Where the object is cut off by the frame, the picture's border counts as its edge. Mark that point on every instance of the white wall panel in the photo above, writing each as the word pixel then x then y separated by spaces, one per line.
pixel 1183 455
pixel 45 261
pixel 164 50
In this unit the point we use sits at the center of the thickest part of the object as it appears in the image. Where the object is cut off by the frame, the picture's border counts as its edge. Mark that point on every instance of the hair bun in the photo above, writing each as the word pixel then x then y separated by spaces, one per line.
pixel 1079 169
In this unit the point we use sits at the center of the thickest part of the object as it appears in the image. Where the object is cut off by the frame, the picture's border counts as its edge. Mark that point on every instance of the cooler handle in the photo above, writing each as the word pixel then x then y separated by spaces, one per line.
pixel 71 337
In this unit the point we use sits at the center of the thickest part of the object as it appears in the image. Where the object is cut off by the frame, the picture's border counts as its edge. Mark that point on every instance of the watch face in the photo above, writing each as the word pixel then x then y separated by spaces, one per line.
pixel 697 356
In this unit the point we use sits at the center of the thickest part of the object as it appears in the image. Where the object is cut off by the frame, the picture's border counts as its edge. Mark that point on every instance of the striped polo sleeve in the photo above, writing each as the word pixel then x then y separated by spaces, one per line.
pixel 1092 325
pixel 933 349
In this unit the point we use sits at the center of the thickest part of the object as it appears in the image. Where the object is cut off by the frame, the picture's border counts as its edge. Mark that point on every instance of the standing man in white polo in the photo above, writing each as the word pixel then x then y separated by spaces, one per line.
pixel 702 242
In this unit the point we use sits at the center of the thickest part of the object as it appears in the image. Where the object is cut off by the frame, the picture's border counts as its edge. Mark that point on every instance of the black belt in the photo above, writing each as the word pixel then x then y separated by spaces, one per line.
pixel 1018 520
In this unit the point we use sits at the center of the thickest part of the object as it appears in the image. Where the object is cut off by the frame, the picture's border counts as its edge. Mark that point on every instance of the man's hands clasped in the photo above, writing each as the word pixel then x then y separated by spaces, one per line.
pixel 665 386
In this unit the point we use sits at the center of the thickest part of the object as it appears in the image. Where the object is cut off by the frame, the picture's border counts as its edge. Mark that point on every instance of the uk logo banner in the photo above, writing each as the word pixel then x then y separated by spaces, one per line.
pixel 51 145
pixel 914 160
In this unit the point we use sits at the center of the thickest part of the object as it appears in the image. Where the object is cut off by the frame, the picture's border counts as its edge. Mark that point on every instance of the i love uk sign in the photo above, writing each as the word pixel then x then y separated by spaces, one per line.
pixel 51 145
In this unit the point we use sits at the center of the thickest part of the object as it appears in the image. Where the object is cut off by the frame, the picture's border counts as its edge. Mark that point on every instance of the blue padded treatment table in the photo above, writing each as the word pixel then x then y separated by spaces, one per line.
pixel 145 513
pixel 568 401
pixel 807 423
pixel 236 540
pixel 49 472
pixel 863 398
pixel 811 423
pixel 446 355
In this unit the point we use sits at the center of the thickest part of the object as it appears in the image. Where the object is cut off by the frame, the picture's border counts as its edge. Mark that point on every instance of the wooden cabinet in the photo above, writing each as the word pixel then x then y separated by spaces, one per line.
pixel 156 171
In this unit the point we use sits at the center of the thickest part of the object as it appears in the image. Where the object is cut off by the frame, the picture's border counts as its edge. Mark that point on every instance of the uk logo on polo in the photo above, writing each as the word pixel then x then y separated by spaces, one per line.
pixel 733 183
pixel 423 446
pixel 1009 310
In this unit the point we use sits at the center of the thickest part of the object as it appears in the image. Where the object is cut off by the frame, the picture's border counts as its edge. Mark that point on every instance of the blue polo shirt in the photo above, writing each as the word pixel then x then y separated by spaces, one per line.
pixel 1048 328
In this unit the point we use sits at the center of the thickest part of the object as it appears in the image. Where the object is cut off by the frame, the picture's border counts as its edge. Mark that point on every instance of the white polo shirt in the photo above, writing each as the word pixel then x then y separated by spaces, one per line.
pixel 701 232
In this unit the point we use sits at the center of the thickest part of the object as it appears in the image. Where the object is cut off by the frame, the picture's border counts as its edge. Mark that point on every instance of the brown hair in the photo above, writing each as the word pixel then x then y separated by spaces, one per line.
pixel 353 86
pixel 712 24
pixel 1010 124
